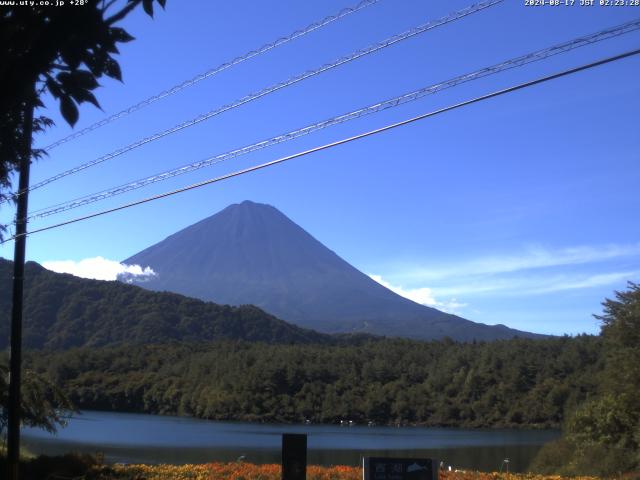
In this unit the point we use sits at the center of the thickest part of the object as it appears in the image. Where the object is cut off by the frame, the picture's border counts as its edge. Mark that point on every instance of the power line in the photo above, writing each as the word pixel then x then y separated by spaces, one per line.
pixel 341 142
pixel 266 91
pixel 377 107
pixel 209 73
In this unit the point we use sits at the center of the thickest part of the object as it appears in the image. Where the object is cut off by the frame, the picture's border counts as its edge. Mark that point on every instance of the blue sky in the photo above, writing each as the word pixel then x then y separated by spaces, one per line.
pixel 521 210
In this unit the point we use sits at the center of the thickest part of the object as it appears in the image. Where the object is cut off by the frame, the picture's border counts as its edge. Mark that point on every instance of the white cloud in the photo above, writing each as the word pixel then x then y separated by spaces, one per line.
pixel 533 285
pixel 533 257
pixel 533 271
pixel 99 268
pixel 423 296
pixel 588 281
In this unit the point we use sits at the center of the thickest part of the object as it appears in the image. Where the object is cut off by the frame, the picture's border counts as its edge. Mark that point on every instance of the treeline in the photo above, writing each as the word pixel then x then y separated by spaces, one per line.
pixel 512 383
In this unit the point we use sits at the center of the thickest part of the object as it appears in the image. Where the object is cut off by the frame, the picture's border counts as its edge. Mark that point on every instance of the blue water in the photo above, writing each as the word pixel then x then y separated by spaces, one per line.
pixel 130 438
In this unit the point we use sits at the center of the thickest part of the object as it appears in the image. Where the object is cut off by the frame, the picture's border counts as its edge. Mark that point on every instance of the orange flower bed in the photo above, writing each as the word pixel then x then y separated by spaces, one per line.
pixel 249 471
pixel 246 471
pixel 231 471
pixel 473 475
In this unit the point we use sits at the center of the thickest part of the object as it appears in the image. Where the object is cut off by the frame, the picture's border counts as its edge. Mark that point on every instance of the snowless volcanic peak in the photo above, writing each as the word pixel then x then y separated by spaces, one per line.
pixel 251 253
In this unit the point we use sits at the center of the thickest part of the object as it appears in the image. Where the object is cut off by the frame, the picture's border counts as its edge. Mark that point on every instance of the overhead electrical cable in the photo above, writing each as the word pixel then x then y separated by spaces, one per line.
pixel 377 107
pixel 210 73
pixel 477 7
pixel 340 142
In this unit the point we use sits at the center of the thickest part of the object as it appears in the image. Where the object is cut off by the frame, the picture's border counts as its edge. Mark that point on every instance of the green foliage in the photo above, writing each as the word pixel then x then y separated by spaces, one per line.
pixel 602 436
pixel 380 380
pixel 601 431
pixel 66 466
pixel 553 457
pixel 43 403
pixel 62 51
pixel 606 420
pixel 562 457
pixel 621 331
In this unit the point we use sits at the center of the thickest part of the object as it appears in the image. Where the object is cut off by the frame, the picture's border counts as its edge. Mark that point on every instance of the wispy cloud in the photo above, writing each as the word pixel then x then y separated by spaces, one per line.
pixel 532 272
pixel 589 281
pixel 423 296
pixel 533 257
pixel 533 285
pixel 99 268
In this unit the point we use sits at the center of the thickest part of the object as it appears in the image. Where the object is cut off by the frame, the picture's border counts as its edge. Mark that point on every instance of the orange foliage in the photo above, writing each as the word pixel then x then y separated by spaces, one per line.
pixel 473 475
pixel 249 471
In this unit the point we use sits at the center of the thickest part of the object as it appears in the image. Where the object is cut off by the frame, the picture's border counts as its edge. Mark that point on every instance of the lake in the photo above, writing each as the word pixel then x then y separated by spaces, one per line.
pixel 141 438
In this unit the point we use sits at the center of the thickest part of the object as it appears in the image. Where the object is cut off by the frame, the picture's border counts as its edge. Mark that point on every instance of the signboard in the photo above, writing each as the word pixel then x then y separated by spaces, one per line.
pixel 384 468
pixel 294 456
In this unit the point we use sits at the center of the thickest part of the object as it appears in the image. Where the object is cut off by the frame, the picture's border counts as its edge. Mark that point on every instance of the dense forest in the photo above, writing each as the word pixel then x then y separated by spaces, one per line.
pixel 521 383
pixel 63 311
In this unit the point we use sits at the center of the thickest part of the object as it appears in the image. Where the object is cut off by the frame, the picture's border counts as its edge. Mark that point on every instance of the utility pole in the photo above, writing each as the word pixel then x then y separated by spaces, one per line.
pixel 15 365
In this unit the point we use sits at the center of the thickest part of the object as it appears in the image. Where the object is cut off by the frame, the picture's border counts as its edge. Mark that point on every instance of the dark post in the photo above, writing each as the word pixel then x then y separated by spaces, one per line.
pixel 294 456
pixel 15 365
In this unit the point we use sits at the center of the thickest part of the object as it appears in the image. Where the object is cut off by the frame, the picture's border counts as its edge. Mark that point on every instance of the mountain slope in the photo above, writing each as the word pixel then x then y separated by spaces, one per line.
pixel 63 311
pixel 252 253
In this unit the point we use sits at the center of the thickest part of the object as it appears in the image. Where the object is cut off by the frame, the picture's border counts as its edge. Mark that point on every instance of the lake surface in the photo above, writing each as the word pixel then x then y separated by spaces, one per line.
pixel 134 438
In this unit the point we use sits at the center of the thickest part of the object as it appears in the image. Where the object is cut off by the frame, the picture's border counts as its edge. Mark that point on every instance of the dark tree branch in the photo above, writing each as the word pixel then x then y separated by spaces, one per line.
pixel 123 13
pixel 108 5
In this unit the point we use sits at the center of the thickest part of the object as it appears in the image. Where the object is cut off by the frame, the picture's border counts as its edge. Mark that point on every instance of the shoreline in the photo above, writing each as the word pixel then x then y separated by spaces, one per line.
pixel 495 427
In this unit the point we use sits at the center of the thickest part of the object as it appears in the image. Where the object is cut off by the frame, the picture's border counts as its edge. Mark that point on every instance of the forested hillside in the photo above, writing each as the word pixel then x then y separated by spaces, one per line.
pixel 63 311
pixel 504 383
